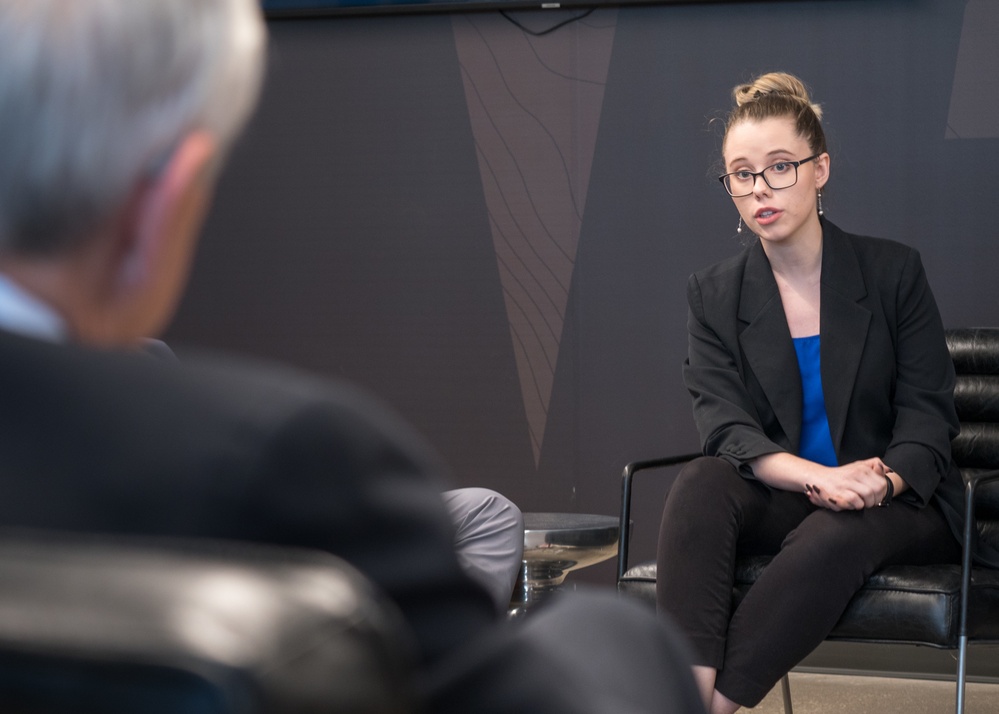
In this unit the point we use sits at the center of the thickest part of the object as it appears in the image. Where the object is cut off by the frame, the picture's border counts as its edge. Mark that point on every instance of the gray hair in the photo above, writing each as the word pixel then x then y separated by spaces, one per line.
pixel 94 95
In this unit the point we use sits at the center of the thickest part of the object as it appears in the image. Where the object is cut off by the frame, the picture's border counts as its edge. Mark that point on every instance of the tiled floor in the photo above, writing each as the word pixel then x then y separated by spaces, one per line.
pixel 843 694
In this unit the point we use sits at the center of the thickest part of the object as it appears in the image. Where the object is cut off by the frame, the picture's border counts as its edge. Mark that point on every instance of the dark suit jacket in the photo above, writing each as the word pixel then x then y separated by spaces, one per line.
pixel 117 443
pixel 887 376
pixel 93 441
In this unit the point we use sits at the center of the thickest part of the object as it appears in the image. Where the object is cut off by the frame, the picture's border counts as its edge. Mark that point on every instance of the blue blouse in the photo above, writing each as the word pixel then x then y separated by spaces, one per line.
pixel 816 441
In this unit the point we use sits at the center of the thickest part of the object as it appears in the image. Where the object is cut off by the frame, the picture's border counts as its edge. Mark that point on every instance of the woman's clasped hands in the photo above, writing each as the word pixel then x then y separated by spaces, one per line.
pixel 850 487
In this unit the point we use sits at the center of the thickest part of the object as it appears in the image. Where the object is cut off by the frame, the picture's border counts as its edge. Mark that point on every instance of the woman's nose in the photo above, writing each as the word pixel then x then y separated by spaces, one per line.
pixel 760 185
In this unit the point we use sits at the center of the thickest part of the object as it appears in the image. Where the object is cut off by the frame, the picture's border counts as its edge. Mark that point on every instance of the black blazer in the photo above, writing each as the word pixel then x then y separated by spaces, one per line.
pixel 115 443
pixel 887 376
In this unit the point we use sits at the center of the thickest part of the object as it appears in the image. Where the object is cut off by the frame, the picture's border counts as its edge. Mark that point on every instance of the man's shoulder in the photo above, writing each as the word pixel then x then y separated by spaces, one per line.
pixel 269 394
pixel 222 393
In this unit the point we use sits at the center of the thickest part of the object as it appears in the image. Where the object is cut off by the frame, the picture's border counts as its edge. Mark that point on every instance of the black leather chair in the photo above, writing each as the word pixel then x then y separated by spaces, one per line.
pixel 116 626
pixel 944 606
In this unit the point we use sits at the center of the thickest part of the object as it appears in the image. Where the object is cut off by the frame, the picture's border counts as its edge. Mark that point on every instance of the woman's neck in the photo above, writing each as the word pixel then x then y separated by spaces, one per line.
pixel 799 259
pixel 797 269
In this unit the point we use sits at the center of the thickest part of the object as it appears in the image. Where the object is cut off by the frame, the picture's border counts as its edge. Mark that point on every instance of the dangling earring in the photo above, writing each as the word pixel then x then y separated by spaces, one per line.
pixel 820 203
pixel 739 229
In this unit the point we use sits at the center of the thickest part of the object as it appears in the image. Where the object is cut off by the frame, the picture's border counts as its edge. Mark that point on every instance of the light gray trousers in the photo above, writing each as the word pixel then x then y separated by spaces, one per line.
pixel 489 539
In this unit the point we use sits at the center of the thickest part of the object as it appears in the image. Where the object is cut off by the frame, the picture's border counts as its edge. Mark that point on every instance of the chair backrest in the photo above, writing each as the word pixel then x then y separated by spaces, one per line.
pixel 975 352
pixel 137 625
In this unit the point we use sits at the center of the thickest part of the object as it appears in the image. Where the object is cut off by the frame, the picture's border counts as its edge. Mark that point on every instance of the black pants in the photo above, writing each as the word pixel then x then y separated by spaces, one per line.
pixel 821 558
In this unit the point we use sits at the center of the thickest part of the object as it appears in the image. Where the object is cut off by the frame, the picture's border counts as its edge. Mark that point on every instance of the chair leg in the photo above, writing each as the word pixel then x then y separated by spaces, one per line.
pixel 785 690
pixel 962 669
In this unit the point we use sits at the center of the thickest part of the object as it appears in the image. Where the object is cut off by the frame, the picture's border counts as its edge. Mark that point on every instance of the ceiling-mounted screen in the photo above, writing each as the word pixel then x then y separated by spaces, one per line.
pixel 276 9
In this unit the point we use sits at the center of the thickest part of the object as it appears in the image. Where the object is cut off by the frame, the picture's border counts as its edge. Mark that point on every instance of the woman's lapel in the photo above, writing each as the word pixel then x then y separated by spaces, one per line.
pixel 766 343
pixel 845 323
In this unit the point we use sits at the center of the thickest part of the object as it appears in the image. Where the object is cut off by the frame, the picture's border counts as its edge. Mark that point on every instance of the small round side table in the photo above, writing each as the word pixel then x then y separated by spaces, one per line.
pixel 556 544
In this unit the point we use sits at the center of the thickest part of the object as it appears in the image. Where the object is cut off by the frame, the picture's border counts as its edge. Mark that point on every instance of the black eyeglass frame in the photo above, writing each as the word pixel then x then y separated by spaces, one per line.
pixel 754 174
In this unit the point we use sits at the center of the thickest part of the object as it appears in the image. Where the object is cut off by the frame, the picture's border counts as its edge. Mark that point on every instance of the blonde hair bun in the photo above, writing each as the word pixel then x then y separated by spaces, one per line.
pixel 775 83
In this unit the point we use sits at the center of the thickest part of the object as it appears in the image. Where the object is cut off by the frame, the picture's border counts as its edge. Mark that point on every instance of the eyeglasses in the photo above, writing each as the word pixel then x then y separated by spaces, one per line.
pixel 783 174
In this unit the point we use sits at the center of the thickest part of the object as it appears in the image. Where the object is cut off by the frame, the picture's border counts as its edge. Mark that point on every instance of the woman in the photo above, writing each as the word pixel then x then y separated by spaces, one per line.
pixel 822 391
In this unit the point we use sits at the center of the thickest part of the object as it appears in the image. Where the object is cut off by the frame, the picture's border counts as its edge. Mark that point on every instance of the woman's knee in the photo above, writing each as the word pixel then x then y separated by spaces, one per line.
pixel 828 543
pixel 705 479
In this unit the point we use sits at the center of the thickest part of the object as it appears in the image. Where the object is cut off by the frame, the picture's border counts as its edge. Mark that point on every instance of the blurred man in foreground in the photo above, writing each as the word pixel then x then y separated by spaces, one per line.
pixel 115 119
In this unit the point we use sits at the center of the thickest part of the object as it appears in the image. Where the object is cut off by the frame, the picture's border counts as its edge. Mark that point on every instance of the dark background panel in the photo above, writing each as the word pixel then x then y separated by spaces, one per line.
pixel 351 234
pixel 350 237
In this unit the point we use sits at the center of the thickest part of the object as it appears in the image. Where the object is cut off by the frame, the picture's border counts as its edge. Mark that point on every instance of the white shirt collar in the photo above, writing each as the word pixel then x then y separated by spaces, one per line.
pixel 23 313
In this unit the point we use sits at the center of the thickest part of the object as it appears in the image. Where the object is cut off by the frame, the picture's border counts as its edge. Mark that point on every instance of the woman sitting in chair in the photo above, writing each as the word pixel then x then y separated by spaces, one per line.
pixel 823 393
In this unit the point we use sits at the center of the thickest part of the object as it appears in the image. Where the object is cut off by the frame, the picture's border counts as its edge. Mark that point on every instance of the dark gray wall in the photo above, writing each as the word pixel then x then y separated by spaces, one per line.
pixel 354 234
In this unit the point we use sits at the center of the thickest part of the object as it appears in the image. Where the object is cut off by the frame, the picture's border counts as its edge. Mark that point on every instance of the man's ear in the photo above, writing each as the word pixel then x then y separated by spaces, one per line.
pixel 167 207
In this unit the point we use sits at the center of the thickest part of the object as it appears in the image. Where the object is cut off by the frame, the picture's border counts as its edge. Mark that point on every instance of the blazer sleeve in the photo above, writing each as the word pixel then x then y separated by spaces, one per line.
pixel 727 419
pixel 925 419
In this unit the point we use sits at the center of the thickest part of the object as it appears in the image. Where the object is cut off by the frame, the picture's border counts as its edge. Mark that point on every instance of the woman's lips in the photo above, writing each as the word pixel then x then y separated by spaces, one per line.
pixel 766 216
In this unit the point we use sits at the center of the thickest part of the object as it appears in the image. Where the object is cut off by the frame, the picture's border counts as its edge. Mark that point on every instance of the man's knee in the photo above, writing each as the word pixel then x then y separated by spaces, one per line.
pixel 473 507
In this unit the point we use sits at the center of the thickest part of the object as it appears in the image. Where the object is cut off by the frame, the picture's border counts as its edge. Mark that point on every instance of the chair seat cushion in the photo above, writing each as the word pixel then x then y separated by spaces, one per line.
pixel 918 605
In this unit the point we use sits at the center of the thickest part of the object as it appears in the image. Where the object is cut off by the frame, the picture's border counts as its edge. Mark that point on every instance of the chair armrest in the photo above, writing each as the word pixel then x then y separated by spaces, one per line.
pixel 971 483
pixel 626 483
pixel 979 477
